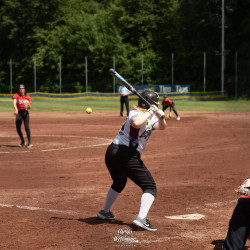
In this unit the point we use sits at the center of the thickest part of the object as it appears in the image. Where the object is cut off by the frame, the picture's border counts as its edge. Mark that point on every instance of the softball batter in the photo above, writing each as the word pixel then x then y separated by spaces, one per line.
pixel 123 158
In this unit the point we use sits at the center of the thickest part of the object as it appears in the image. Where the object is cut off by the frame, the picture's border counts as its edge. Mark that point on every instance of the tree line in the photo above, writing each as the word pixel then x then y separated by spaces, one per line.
pixel 127 29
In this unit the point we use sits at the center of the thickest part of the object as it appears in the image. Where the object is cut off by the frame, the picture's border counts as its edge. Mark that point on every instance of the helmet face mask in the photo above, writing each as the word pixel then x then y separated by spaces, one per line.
pixel 151 96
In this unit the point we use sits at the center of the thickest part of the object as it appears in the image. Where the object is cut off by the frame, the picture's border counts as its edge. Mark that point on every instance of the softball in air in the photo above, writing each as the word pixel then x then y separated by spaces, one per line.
pixel 88 110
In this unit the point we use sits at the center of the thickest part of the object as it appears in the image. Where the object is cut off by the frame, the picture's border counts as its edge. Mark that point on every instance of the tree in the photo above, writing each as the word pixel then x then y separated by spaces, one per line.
pixel 20 21
pixel 128 30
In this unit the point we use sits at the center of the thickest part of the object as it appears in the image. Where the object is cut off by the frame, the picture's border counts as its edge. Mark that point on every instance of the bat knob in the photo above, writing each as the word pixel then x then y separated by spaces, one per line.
pixel 112 71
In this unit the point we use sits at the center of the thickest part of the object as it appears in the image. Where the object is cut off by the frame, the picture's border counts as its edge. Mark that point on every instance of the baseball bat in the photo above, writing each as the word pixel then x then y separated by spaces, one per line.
pixel 127 85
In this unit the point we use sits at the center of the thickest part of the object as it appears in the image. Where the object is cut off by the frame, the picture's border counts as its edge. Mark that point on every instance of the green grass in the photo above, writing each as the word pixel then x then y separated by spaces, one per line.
pixel 65 106
pixel 240 106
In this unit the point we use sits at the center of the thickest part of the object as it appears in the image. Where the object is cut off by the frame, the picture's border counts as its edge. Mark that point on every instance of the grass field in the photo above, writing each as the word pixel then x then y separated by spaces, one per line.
pixel 238 106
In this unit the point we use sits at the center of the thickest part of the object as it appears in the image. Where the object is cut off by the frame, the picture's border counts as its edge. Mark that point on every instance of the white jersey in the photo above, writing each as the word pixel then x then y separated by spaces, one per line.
pixel 133 137
pixel 123 90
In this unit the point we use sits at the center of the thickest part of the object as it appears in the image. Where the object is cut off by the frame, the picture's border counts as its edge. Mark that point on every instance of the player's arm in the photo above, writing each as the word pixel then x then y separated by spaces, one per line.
pixel 15 106
pixel 125 94
pixel 128 93
pixel 138 120
pixel 160 125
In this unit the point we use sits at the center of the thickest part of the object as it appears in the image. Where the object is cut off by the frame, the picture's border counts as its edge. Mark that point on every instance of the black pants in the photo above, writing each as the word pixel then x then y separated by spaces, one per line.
pixel 124 100
pixel 239 226
pixel 122 163
pixel 171 107
pixel 23 115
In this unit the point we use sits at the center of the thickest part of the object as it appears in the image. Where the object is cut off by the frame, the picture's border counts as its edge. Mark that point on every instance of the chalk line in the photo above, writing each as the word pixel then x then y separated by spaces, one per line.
pixel 38 209
pixel 58 149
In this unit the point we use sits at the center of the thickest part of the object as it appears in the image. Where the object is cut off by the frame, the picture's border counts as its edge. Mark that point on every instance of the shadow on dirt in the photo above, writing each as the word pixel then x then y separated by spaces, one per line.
pixel 96 221
pixel 10 146
pixel 218 244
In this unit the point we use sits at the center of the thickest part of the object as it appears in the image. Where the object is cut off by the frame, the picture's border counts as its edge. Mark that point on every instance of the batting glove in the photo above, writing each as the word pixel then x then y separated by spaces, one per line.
pixel 152 109
pixel 160 114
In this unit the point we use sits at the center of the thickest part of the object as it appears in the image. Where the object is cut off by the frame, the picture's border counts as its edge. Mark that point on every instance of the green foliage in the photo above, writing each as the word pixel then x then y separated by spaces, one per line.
pixel 52 88
pixel 78 88
pixel 99 30
pixel 20 21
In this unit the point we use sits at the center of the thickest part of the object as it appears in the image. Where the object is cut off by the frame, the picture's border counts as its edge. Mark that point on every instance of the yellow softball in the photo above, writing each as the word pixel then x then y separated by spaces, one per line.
pixel 88 110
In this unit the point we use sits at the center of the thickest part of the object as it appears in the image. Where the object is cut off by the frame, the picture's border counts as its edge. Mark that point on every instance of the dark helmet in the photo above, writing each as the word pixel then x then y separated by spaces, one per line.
pixel 151 96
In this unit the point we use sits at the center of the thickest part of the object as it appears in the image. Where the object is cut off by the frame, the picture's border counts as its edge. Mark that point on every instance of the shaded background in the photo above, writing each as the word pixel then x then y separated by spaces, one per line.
pixel 44 32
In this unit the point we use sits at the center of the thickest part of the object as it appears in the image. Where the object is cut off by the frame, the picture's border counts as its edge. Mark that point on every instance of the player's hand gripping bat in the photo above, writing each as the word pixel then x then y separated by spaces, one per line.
pixel 130 88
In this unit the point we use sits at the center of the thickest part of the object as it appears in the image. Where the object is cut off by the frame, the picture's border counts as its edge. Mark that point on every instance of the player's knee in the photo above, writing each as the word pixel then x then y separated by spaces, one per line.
pixel 152 190
pixel 118 186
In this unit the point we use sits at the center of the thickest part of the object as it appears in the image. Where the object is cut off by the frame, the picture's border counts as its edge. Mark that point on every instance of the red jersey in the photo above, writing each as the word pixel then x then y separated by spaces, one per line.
pixel 19 98
pixel 167 102
pixel 245 196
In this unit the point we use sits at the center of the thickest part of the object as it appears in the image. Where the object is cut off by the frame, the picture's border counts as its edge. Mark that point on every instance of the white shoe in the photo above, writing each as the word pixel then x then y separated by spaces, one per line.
pixel 144 223
pixel 178 118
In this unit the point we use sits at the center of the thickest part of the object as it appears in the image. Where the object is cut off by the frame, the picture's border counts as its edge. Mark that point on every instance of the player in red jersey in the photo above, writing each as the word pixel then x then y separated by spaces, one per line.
pixel 169 103
pixel 22 103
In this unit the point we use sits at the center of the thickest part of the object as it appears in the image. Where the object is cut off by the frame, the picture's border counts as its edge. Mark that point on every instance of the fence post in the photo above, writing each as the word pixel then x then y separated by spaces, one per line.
pixel 114 77
pixel 86 73
pixel 172 68
pixel 222 46
pixel 142 69
pixel 236 77
pixel 35 75
pixel 60 75
pixel 11 76
pixel 204 80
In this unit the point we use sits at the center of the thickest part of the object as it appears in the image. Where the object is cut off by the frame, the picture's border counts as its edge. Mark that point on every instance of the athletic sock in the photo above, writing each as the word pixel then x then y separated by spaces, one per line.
pixel 147 200
pixel 111 197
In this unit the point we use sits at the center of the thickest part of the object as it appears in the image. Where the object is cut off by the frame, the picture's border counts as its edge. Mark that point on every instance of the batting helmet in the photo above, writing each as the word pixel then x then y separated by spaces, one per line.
pixel 151 96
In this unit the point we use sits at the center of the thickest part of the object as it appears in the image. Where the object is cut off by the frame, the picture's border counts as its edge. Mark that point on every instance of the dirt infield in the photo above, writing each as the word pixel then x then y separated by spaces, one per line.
pixel 50 194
